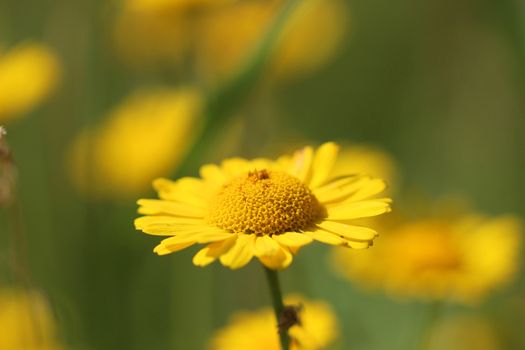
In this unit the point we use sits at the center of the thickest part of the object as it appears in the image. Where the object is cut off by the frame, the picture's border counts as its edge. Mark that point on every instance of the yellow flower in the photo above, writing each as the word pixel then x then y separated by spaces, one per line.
pixel 365 159
pixel 258 331
pixel 310 38
pixel 262 208
pixel 461 258
pixel 28 73
pixel 143 138
pixel 171 5
pixel 159 33
pixel 26 321
pixel 218 36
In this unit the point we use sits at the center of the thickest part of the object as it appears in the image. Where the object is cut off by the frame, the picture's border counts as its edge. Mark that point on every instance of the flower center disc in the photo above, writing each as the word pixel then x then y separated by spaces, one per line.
pixel 264 202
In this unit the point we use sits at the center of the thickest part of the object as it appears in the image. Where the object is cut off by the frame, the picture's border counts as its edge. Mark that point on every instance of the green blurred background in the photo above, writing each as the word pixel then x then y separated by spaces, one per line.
pixel 438 84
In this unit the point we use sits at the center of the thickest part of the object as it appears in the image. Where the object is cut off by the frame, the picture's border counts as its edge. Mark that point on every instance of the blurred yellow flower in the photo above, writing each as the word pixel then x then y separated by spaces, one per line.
pixel 217 36
pixel 369 160
pixel 311 37
pixel 263 208
pixel 172 5
pixel 159 33
pixel 150 39
pixel 143 138
pixel 28 74
pixel 26 321
pixel 465 333
pixel 258 330
pixel 462 258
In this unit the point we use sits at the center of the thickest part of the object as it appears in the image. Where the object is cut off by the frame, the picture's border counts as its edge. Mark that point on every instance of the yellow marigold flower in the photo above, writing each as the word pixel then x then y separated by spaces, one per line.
pixel 28 73
pixel 258 331
pixel 310 38
pixel 143 138
pixel 366 159
pixel 262 208
pixel 26 321
pixel 461 258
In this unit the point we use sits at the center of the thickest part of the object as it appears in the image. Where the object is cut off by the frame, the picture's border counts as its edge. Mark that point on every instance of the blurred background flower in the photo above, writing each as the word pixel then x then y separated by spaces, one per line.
pixel 29 72
pixel 462 258
pixel 214 38
pixel 144 138
pixel 317 328
pixel 310 39
pixel 27 321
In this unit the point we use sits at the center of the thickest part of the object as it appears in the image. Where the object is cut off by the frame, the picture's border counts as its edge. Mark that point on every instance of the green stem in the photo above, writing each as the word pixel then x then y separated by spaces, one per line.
pixel 278 305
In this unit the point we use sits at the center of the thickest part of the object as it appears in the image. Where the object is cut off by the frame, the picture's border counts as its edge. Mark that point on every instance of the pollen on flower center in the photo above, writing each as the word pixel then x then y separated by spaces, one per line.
pixel 264 202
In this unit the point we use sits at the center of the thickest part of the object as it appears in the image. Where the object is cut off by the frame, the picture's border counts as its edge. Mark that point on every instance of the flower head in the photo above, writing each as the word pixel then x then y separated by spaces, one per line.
pixel 262 208
pixel 317 328
pixel 28 73
pixel 144 137
pixel 26 321
pixel 461 258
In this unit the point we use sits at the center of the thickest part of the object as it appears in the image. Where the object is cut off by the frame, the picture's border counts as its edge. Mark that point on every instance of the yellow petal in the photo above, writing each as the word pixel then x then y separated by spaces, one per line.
pixel 285 163
pixel 213 174
pixel 324 160
pixel 337 185
pixel 280 260
pixel 192 185
pixel 162 249
pixel 235 166
pixel 165 225
pixel 174 241
pixel 350 189
pixel 206 235
pixel 371 188
pixel 159 207
pixel 265 246
pixel 292 239
pixel 241 253
pixel 302 163
pixel 356 233
pixel 186 190
pixel 362 209
pixel 325 237
pixel 197 235
pixel 212 251
pixel 202 258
